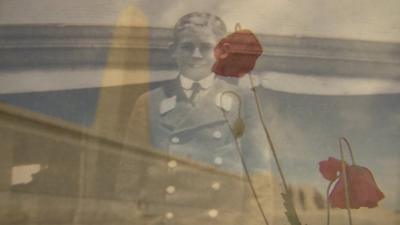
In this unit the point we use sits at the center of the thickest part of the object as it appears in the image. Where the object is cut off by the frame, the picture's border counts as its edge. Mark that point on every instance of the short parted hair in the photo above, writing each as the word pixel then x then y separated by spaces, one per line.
pixel 200 20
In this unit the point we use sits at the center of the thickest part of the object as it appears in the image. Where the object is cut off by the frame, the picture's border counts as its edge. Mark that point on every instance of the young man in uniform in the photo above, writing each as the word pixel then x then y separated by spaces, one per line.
pixel 199 177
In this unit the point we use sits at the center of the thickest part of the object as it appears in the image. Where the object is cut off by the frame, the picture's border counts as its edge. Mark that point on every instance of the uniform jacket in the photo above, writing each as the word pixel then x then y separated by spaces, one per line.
pixel 198 177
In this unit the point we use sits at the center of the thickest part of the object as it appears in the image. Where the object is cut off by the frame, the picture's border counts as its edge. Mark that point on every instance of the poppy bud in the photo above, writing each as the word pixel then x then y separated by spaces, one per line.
pixel 238 128
pixel 237 54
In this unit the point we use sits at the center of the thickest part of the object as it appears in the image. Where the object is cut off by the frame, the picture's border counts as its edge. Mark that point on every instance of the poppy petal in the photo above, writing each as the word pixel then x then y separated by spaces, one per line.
pixel 330 168
pixel 237 54
pixel 363 190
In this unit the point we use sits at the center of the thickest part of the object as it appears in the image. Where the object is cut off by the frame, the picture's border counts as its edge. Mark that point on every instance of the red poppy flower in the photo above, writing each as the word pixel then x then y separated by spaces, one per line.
pixel 363 190
pixel 330 168
pixel 236 54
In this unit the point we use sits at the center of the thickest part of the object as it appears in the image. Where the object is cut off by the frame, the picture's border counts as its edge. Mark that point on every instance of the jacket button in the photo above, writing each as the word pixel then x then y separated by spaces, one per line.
pixel 175 140
pixel 216 186
pixel 172 164
pixel 169 215
pixel 217 134
pixel 170 189
pixel 213 213
pixel 218 160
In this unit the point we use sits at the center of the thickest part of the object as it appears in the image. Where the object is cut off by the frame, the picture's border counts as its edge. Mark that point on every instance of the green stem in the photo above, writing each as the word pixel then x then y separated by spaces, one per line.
pixel 346 184
pixel 353 161
pixel 261 116
pixel 238 149
pixel 328 205
pixel 238 27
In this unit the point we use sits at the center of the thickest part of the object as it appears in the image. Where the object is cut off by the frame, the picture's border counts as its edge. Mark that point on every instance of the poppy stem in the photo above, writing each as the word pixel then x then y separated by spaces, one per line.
pixel 238 27
pixel 353 161
pixel 346 184
pixel 261 116
pixel 328 205
pixel 238 149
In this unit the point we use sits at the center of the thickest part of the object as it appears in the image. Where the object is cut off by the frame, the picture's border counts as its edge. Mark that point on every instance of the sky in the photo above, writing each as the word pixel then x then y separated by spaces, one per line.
pixel 306 128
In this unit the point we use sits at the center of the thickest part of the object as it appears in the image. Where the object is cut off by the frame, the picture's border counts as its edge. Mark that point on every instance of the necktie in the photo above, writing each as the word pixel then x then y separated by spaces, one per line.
pixel 196 88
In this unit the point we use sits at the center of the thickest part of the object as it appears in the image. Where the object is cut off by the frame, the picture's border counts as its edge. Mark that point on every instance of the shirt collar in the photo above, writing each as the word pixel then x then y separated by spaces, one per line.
pixel 205 83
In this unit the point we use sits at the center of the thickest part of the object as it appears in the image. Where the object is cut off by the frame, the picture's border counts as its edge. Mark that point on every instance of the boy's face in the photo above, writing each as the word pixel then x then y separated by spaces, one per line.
pixel 194 52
